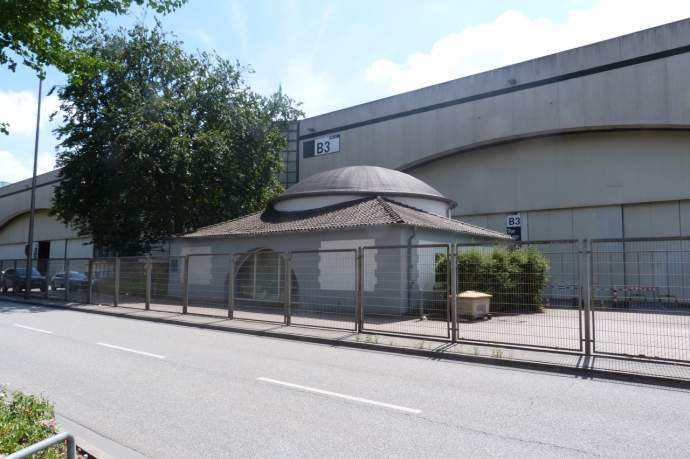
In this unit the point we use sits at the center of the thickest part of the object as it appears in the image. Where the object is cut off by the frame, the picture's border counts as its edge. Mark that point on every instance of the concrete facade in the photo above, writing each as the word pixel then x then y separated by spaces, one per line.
pixel 52 238
pixel 588 143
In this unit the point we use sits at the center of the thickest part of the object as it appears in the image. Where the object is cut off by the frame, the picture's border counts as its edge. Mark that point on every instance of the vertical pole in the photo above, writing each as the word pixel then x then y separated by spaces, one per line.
pixel 288 289
pixel 116 287
pixel 89 297
pixel 65 282
pixel 453 281
pixel 32 215
pixel 148 283
pixel 185 285
pixel 71 447
pixel 47 279
pixel 359 307
pixel 231 286
pixel 588 295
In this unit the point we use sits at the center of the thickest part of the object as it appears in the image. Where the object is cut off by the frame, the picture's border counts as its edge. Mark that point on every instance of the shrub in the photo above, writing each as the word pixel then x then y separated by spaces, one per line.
pixel 24 420
pixel 515 278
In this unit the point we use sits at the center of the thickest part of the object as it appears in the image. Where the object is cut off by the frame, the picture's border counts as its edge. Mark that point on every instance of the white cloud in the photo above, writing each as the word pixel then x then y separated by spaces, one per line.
pixel 15 168
pixel 18 108
pixel 513 37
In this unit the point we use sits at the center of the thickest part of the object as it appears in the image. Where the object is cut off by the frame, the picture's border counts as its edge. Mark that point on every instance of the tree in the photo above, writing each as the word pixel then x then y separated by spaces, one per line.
pixel 33 31
pixel 163 142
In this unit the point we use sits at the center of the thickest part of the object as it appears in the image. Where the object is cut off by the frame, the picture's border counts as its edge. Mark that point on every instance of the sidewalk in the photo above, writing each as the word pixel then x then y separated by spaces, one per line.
pixel 594 367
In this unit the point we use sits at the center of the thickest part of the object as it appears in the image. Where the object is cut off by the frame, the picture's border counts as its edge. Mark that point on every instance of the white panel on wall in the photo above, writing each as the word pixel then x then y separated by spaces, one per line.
pixel 652 220
pixel 57 249
pixel 329 263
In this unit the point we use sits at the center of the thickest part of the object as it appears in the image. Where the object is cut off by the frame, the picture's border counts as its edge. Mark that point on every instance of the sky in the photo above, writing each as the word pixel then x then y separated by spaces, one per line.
pixel 332 54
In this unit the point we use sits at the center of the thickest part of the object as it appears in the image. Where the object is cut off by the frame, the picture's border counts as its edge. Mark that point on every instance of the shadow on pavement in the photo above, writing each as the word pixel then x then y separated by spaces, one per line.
pixel 9 308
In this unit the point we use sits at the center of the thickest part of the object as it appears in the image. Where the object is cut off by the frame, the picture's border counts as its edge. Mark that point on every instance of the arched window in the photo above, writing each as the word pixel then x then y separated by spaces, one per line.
pixel 260 276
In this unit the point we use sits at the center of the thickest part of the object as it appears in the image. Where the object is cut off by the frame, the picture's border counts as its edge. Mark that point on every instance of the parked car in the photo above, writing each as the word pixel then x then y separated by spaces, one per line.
pixel 77 281
pixel 15 279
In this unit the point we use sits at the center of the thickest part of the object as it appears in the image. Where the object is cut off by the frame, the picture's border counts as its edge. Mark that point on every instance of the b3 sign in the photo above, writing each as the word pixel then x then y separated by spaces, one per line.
pixel 514 226
pixel 513 221
pixel 326 145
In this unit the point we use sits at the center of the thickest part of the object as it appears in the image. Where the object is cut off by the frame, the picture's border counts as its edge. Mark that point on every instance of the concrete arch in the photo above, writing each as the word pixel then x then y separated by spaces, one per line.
pixel 16 215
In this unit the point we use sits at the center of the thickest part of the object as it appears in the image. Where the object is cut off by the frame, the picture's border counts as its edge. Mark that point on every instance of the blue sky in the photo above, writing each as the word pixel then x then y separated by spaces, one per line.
pixel 334 54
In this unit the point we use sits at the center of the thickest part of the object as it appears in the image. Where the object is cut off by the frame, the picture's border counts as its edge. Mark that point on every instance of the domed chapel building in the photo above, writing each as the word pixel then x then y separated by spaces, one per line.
pixel 319 223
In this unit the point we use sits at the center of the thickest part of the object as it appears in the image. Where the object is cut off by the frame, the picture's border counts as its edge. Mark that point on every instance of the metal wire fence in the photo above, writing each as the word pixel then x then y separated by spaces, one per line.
pixel 208 286
pixel 324 288
pixel 641 297
pixel 405 290
pixel 624 297
pixel 259 286
pixel 132 282
pixel 535 297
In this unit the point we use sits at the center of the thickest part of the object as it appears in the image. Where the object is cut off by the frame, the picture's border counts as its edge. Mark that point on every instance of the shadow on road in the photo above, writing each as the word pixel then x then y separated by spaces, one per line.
pixel 9 308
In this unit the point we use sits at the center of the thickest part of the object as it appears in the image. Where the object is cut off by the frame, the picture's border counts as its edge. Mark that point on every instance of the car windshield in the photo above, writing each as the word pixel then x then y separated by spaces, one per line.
pixel 76 275
pixel 21 272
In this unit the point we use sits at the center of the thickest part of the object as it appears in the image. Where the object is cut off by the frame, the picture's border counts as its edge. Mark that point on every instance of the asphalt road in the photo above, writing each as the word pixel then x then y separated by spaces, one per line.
pixel 168 391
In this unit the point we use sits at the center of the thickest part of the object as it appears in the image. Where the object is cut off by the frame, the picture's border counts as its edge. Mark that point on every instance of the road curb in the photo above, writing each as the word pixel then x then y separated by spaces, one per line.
pixel 439 354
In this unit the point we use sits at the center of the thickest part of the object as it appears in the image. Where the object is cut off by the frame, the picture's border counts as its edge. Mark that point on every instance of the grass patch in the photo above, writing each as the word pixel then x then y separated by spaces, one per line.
pixel 24 420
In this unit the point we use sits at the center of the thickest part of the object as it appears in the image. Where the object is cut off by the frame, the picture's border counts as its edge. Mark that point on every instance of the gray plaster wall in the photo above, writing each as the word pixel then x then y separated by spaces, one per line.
pixel 396 280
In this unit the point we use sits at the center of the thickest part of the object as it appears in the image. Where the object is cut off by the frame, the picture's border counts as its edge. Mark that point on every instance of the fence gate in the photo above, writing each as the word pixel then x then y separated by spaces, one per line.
pixel 523 314
pixel 641 297
pixel 405 290
pixel 323 288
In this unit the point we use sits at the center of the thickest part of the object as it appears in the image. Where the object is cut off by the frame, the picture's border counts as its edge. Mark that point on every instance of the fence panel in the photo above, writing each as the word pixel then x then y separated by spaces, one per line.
pixel 10 286
pixel 208 284
pixel 641 297
pixel 532 304
pixel 132 291
pixel 166 284
pixel 324 288
pixel 103 281
pixel 405 290
pixel 56 278
pixel 259 286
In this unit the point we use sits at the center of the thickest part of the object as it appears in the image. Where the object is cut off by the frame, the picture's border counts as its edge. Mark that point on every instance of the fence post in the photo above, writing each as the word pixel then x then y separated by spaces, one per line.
pixel 231 286
pixel 148 283
pixel 185 285
pixel 587 282
pixel 288 289
pixel 89 279
pixel 65 283
pixel 359 308
pixel 453 278
pixel 116 287
pixel 47 280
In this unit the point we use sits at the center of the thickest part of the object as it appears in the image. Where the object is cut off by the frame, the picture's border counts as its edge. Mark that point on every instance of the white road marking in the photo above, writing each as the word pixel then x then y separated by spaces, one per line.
pixel 26 327
pixel 343 396
pixel 126 349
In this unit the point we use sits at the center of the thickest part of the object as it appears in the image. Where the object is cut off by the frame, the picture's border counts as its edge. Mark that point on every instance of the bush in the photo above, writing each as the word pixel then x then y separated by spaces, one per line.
pixel 515 278
pixel 24 420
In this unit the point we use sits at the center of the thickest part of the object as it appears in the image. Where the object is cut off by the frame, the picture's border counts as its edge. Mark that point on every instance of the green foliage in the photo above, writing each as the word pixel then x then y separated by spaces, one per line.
pixel 515 277
pixel 163 142
pixel 24 420
pixel 33 31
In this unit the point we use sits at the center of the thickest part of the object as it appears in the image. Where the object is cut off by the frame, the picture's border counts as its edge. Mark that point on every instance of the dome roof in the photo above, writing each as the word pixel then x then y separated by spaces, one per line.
pixel 362 180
